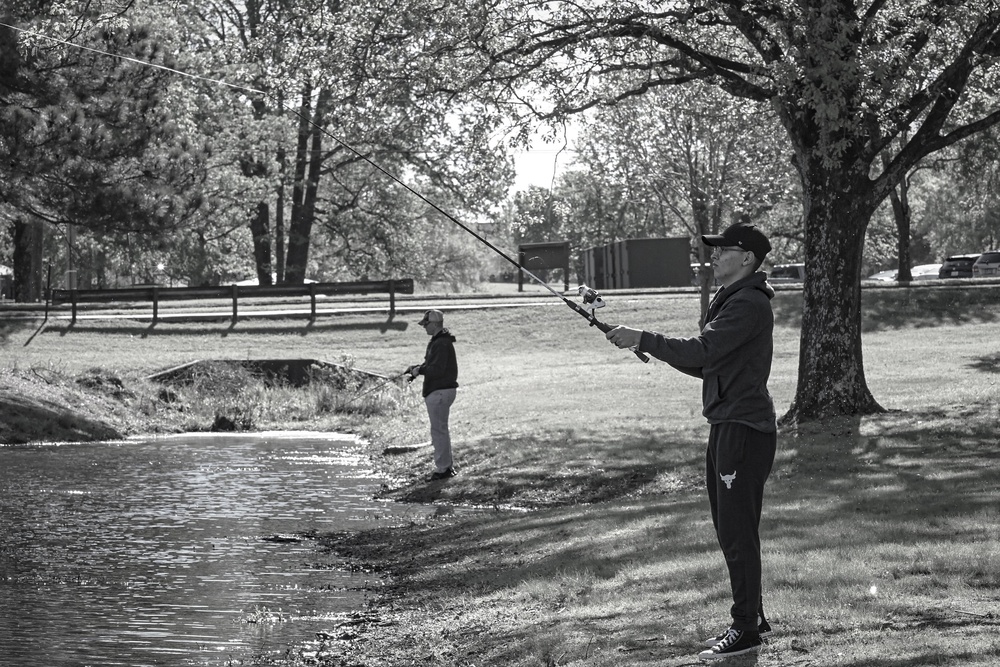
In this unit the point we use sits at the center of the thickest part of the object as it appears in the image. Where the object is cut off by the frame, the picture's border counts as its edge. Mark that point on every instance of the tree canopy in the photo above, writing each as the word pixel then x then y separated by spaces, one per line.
pixel 847 81
pixel 179 169
pixel 284 177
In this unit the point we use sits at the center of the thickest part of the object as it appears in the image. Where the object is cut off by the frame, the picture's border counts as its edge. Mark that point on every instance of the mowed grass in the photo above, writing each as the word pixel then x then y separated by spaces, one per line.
pixel 881 534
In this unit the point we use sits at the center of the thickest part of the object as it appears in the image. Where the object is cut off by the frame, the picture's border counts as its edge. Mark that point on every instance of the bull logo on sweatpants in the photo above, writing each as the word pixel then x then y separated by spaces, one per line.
pixel 728 479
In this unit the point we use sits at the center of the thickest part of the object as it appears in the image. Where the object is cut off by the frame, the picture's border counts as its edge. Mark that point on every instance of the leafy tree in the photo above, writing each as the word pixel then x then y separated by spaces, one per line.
pixel 690 161
pixel 538 214
pixel 950 201
pixel 845 79
pixel 86 142
pixel 972 178
pixel 366 92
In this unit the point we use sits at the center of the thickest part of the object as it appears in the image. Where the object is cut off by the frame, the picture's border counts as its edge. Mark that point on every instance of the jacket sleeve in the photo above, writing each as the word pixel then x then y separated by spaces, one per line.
pixel 436 362
pixel 662 348
pixel 736 322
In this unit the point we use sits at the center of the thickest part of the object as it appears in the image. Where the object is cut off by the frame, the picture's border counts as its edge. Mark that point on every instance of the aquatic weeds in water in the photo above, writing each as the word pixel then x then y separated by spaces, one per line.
pixel 262 615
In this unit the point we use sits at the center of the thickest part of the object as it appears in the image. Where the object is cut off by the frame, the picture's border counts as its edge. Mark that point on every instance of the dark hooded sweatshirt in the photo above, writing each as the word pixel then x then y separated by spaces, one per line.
pixel 732 355
pixel 440 367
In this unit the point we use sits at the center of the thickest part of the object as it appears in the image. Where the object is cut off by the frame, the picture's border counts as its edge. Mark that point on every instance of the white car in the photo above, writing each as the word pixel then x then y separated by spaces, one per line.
pixel 926 272
pixel 919 272
pixel 884 276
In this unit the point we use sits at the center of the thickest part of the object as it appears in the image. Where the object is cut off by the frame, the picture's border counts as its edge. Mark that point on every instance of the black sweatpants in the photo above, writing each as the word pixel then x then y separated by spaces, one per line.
pixel 739 460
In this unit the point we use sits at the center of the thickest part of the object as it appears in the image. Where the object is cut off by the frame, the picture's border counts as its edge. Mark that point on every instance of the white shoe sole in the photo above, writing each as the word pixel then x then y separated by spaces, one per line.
pixel 764 636
pixel 709 656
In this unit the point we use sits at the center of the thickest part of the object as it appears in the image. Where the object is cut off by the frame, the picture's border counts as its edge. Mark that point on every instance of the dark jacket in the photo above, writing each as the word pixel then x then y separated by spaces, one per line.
pixel 732 355
pixel 440 367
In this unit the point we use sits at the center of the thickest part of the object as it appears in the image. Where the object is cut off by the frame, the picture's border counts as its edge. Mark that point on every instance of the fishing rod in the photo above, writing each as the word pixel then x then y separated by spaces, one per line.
pixel 380 385
pixel 589 316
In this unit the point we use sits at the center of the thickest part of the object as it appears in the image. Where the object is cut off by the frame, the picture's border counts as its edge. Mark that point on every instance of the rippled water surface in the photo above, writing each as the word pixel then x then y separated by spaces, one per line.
pixel 185 550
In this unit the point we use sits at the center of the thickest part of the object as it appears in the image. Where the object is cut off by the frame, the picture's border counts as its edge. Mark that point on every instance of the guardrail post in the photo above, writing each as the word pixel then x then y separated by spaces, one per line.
pixel 72 296
pixel 236 290
pixel 312 302
pixel 520 273
pixel 392 298
pixel 156 304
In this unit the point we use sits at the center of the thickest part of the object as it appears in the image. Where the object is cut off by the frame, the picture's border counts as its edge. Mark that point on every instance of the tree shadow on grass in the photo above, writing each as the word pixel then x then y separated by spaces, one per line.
pixel 649 483
pixel 914 306
pixel 904 467
pixel 562 555
pixel 989 363
pixel 922 306
pixel 961 656
pixel 564 467
pixel 836 485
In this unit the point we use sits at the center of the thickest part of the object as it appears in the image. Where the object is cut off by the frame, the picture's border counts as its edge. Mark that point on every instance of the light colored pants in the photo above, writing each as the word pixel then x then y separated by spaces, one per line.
pixel 438 408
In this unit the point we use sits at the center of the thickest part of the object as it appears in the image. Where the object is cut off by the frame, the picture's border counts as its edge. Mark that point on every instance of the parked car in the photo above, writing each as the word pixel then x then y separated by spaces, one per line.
pixel 787 273
pixel 884 276
pixel 988 264
pixel 958 266
pixel 919 272
pixel 926 271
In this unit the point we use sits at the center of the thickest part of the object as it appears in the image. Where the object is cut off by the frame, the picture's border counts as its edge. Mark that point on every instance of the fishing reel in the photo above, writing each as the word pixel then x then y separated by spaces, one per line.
pixel 591 302
pixel 591 299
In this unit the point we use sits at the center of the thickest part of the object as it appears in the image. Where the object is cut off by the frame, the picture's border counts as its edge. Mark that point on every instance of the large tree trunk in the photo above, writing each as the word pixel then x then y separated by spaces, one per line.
pixel 297 246
pixel 901 212
pixel 308 170
pixel 279 220
pixel 260 229
pixel 831 378
pixel 702 225
pixel 27 256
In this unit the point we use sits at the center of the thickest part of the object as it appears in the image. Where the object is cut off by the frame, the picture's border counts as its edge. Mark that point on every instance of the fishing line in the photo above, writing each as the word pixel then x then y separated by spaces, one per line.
pixel 448 216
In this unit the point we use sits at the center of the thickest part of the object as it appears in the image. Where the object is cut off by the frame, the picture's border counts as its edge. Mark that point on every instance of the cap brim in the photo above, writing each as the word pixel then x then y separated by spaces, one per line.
pixel 717 240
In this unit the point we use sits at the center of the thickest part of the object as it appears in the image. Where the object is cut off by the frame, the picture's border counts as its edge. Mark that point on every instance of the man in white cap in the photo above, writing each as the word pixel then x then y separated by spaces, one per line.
pixel 732 356
pixel 440 371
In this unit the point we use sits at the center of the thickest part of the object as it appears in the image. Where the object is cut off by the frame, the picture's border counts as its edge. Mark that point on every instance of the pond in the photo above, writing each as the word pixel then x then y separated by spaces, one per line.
pixel 181 550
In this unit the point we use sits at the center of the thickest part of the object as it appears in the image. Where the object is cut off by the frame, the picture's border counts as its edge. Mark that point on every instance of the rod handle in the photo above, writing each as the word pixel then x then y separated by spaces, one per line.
pixel 594 322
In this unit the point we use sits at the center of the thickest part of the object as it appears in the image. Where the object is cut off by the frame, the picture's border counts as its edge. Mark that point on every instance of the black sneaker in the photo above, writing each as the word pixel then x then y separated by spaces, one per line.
pixel 450 472
pixel 763 628
pixel 735 642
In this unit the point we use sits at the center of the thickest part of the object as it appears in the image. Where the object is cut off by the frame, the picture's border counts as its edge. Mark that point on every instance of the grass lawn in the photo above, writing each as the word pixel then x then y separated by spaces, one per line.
pixel 591 543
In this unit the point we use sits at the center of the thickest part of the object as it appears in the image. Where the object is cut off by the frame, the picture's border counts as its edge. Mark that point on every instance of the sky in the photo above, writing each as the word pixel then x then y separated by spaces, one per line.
pixel 538 166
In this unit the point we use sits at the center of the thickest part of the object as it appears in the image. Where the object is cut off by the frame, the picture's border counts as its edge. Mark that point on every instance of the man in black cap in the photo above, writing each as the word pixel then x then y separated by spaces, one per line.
pixel 440 371
pixel 732 355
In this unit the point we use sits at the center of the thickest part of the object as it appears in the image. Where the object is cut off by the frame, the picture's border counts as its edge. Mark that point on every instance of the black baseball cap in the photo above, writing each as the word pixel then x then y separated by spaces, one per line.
pixel 740 235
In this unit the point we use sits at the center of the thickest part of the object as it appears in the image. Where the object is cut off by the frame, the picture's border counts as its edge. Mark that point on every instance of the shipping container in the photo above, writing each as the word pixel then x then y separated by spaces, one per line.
pixel 636 263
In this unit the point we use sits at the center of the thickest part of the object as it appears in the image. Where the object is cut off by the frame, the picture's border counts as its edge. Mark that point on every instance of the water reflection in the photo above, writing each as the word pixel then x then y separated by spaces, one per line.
pixel 183 550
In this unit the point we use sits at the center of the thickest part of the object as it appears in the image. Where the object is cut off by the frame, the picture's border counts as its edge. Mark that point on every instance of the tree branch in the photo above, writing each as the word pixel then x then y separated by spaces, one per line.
pixel 690 63
pixel 915 150
pixel 754 31
pixel 941 95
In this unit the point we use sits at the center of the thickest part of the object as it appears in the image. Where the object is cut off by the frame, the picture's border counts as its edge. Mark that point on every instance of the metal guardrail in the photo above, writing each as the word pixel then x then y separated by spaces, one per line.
pixel 156 294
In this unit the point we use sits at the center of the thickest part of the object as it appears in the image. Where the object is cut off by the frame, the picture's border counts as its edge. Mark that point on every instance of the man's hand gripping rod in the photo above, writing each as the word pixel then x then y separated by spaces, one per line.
pixel 594 301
